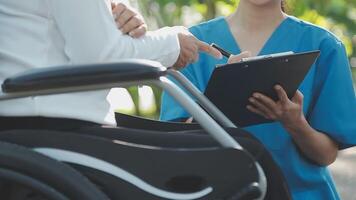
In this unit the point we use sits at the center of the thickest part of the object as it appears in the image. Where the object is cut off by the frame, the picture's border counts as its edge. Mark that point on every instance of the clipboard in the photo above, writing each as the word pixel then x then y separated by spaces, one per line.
pixel 231 85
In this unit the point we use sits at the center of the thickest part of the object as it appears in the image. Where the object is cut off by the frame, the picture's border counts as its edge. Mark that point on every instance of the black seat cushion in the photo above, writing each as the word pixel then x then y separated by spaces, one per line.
pixel 135 122
pixel 277 187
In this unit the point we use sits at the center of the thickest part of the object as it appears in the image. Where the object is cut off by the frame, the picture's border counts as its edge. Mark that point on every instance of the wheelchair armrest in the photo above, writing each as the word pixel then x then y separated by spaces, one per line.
pixel 83 75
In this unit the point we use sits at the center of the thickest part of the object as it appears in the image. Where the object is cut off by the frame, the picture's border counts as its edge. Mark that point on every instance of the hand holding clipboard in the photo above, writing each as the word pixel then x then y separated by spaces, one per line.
pixel 231 86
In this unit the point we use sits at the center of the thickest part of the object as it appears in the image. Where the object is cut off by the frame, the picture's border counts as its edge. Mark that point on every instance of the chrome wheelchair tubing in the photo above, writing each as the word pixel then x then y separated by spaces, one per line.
pixel 203 100
pixel 207 122
pixel 216 114
pixel 204 119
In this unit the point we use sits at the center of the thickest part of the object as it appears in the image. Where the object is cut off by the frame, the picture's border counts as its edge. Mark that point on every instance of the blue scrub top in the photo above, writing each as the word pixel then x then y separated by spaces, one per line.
pixel 329 98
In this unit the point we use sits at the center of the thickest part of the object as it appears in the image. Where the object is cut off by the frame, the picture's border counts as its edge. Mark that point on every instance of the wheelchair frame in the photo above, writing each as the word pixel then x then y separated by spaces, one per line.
pixel 122 74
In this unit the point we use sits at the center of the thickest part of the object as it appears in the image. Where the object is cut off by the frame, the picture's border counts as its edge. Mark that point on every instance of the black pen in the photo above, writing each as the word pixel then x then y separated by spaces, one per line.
pixel 222 51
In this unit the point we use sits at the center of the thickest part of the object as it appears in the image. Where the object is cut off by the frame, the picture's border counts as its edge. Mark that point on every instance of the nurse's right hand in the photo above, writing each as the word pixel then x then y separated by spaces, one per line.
pixel 190 47
pixel 239 57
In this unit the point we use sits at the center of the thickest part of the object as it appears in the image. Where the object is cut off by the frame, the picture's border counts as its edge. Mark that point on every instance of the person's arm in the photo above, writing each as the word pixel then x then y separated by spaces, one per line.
pixel 315 145
pixel 90 35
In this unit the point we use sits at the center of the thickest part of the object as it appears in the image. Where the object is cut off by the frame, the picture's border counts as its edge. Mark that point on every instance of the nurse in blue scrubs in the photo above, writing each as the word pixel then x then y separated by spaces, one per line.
pixel 311 127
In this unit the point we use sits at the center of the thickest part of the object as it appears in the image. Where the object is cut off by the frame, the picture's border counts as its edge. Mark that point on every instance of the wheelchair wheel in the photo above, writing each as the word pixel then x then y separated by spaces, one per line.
pixel 27 175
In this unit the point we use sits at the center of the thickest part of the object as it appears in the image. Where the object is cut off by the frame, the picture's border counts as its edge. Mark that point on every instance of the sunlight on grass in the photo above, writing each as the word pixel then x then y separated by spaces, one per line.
pixel 146 101
pixel 121 101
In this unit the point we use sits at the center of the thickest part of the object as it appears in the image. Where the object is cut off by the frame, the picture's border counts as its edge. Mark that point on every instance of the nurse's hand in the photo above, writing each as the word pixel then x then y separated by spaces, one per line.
pixel 288 111
pixel 315 145
pixel 128 20
pixel 239 57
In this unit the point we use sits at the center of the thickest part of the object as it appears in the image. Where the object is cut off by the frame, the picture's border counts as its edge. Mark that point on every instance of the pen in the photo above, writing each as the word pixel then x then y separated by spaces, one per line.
pixel 222 51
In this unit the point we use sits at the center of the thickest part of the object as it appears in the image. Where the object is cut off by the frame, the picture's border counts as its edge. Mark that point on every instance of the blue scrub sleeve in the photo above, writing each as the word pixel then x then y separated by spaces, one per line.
pixel 334 108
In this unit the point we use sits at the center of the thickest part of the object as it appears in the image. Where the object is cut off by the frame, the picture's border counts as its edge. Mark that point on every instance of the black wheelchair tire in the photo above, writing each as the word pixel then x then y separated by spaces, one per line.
pixel 59 176
pixel 19 186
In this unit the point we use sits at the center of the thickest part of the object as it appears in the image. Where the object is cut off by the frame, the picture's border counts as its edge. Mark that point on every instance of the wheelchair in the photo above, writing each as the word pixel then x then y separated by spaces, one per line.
pixel 146 160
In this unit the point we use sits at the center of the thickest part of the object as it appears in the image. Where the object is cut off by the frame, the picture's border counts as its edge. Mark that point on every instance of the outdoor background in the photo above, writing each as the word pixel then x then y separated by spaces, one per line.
pixel 339 16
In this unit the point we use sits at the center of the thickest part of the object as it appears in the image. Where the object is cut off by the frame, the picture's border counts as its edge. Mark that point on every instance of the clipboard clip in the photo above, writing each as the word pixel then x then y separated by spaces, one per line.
pixel 287 53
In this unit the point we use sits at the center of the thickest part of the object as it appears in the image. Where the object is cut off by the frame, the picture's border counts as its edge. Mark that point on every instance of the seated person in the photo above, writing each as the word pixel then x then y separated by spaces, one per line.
pixel 311 127
pixel 44 33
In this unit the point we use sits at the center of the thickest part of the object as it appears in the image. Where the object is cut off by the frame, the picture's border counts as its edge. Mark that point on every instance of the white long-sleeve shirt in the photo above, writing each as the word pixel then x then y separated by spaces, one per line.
pixel 43 33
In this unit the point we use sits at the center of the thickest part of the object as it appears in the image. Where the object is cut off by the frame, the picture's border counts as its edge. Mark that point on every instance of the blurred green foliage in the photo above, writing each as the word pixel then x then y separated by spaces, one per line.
pixel 338 16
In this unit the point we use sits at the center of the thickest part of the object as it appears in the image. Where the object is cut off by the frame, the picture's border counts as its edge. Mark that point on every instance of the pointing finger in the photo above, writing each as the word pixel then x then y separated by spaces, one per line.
pixel 209 49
